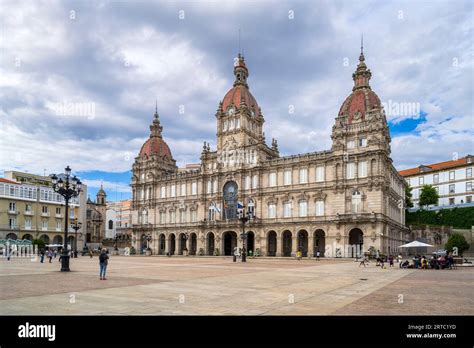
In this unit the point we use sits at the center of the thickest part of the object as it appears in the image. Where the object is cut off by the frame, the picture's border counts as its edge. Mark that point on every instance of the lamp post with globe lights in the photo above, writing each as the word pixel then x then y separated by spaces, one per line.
pixel 76 225
pixel 68 187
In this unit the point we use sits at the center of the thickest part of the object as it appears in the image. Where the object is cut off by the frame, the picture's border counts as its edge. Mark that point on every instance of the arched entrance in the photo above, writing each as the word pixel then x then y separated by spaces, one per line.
pixel 303 242
pixel 182 244
pixel 172 244
pixel 286 243
pixel 12 236
pixel 142 244
pixel 193 244
pixel 58 240
pixel 229 242
pixel 28 237
pixel 210 243
pixel 271 243
pixel 44 238
pixel 250 242
pixel 356 242
pixel 162 244
pixel 319 242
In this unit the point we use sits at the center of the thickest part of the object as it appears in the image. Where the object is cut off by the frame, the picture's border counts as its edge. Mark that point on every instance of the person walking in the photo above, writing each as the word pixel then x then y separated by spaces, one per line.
pixel 42 255
pixel 50 255
pixel 298 255
pixel 318 254
pixel 90 253
pixel 103 262
pixel 390 260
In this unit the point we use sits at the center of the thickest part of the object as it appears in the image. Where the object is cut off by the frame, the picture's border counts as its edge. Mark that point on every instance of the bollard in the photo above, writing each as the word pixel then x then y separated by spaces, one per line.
pixel 235 258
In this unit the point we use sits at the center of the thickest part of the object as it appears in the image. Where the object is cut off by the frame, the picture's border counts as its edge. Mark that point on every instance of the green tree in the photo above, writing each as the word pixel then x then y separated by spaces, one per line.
pixel 428 196
pixel 458 241
pixel 40 243
pixel 408 197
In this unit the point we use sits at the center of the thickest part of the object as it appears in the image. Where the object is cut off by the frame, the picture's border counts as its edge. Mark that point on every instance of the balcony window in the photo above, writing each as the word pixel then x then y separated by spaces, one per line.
pixel 272 210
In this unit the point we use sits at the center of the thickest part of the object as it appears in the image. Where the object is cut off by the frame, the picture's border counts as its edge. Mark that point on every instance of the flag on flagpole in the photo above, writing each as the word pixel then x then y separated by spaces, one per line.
pixel 215 207
pixel 240 205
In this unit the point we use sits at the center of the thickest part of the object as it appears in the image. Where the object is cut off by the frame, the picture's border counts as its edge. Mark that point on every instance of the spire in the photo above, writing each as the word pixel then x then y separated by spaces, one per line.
pixel 362 75
pixel 240 71
pixel 155 127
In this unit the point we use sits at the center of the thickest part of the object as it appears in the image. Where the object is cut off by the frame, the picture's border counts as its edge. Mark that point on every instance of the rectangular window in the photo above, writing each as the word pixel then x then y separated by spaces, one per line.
pixel 193 215
pixel 452 188
pixel 44 209
pixel 303 176
pixel 12 222
pixel 254 181
pixel 362 169
pixel 469 186
pixel 287 209
pixel 350 170
pixel 44 224
pixel 451 201
pixel 182 216
pixel 468 172
pixel 421 181
pixel 163 192
pixel 247 182
pixel 28 224
pixel 12 206
pixel 194 188
pixel 435 178
pixel 351 144
pixel 172 217
pixel 319 173
pixel 58 210
pixel 272 179
pixel 209 186
pixel 468 199
pixel 303 208
pixel 58 225
pixel 287 177
pixel 173 191
pixel 272 210
pixel 437 189
pixel 162 217
pixel 319 208
pixel 183 189
pixel 362 142
pixel 451 175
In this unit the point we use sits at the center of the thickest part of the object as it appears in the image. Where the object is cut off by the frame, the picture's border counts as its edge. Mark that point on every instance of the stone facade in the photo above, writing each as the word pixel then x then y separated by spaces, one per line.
pixel 95 218
pixel 334 201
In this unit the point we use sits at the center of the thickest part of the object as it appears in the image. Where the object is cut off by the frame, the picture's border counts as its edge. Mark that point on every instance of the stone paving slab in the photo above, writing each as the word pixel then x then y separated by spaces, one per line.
pixel 217 286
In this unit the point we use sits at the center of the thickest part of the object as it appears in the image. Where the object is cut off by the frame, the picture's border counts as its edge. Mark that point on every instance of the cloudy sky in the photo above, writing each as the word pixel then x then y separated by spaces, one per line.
pixel 79 80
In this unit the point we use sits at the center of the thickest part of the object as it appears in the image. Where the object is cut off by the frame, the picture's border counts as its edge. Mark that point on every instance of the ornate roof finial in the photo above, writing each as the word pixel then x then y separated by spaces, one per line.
pixel 361 57
pixel 155 127
pixel 362 75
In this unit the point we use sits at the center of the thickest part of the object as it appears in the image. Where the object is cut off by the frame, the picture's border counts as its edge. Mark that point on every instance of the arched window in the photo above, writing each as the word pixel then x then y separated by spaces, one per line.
pixel 356 202
pixel 230 200
pixel 111 225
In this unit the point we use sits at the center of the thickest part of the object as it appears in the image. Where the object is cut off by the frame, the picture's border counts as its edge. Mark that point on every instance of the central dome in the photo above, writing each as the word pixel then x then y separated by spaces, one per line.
pixel 235 95
pixel 155 146
pixel 240 94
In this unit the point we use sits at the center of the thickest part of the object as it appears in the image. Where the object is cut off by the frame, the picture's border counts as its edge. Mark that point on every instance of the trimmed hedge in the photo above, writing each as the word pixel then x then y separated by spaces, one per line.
pixel 456 217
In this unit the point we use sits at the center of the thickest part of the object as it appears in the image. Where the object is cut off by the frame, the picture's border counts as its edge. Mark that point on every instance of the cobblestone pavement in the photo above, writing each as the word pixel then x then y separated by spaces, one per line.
pixel 216 286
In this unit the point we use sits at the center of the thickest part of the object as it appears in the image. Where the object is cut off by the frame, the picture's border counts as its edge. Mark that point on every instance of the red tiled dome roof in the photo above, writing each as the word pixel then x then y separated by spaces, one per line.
pixel 155 146
pixel 234 96
pixel 361 100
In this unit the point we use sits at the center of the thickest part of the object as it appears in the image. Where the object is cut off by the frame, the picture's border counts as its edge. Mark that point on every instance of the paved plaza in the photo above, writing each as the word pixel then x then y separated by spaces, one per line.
pixel 217 286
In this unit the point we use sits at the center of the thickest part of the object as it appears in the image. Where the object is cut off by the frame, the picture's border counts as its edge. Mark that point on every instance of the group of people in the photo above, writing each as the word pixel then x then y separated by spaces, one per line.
pixel 435 262
pixel 51 253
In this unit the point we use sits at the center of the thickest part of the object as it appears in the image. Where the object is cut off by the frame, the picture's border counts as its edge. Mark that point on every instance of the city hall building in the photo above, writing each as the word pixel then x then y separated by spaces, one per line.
pixel 338 201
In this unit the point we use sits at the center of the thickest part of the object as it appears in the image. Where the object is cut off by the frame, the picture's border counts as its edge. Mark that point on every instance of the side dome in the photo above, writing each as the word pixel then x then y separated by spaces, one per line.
pixel 155 145
pixel 362 100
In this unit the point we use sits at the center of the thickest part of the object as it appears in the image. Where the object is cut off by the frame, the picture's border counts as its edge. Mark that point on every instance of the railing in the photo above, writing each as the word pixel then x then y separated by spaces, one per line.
pixel 14 212
pixel 29 213
pixel 45 214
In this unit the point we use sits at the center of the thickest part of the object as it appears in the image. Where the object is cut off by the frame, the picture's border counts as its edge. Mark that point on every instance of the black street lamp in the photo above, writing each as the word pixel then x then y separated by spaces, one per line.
pixel 76 225
pixel 68 187
pixel 245 216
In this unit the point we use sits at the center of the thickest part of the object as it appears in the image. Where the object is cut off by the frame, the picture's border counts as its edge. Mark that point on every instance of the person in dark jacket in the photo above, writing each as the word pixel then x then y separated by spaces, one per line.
pixel 103 262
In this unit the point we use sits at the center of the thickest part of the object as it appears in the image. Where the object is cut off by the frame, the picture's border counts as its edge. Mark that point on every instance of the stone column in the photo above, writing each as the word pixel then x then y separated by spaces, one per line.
pixel 167 244
pixel 294 245
pixel 310 245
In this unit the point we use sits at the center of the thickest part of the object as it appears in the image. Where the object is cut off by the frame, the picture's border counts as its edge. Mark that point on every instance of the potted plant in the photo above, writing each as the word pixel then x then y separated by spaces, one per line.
pixel 258 252
pixel 148 252
pixel 201 252
pixel 217 252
